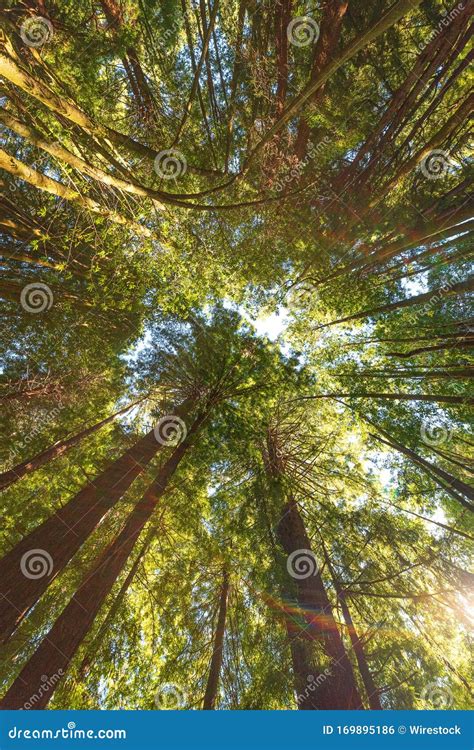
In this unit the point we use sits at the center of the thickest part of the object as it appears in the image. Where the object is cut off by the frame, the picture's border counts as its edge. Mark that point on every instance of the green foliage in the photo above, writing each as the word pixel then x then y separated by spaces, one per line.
pixel 160 286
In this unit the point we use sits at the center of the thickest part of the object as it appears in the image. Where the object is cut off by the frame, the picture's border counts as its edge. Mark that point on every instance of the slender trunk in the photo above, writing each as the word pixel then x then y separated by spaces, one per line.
pixel 466 373
pixel 462 287
pixel 58 538
pixel 57 449
pixel 437 398
pixel 451 529
pixel 313 625
pixel 59 646
pixel 234 82
pixel 42 182
pixel 114 609
pixel 324 51
pixel 282 19
pixel 460 115
pixel 369 685
pixel 66 108
pixel 452 458
pixel 210 696
pixel 136 76
pixel 195 84
pixel 445 480
pixel 439 227
pixel 394 14
pixel 465 343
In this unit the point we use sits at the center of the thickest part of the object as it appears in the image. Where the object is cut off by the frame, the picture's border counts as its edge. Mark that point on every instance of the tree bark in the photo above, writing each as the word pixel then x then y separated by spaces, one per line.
pixel 131 61
pixel 466 342
pixel 102 632
pixel 313 624
pixel 333 14
pixel 372 693
pixel 394 14
pixel 42 182
pixel 57 449
pixel 59 537
pixel 56 650
pixel 438 399
pixel 445 480
pixel 462 287
pixel 210 696
pixel 282 19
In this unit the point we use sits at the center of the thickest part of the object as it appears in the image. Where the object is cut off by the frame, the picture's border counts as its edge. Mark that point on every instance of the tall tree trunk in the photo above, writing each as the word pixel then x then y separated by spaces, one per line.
pixel 312 626
pixel 282 19
pixel 394 14
pixel 436 398
pixel 98 639
pixel 372 693
pixel 324 51
pixel 210 696
pixel 54 654
pixel 466 373
pixel 48 184
pixel 445 480
pixel 131 61
pixel 62 105
pixel 57 539
pixel 57 449
pixel 466 342
pixel 437 227
pixel 462 287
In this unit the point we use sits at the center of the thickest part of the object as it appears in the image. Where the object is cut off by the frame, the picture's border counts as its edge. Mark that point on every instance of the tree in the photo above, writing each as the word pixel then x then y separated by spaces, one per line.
pixel 259 217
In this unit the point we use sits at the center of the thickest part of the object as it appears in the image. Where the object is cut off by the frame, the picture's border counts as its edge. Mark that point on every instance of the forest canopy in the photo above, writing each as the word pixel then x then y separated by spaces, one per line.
pixel 236 286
